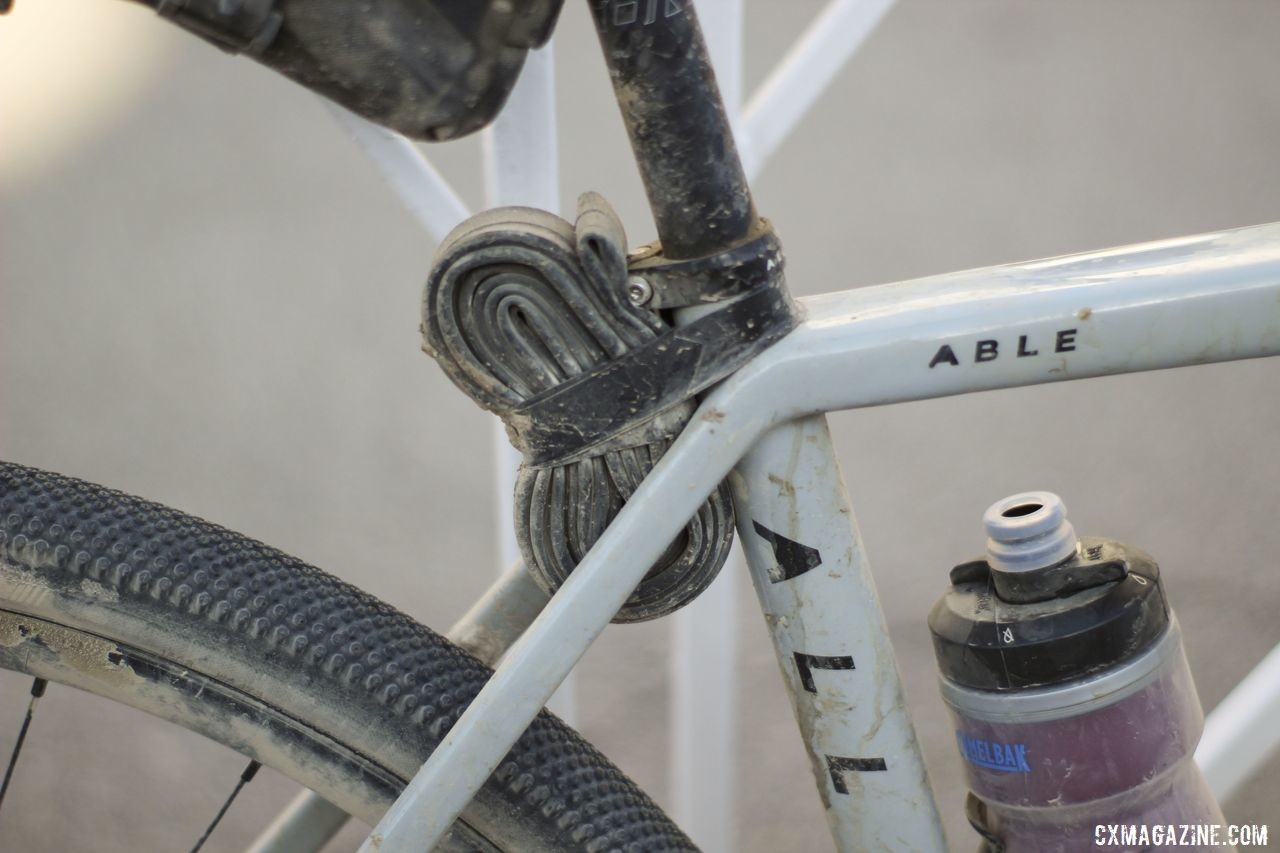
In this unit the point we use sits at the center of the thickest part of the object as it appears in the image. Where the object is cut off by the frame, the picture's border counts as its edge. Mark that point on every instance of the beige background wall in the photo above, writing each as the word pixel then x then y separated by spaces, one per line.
pixel 208 298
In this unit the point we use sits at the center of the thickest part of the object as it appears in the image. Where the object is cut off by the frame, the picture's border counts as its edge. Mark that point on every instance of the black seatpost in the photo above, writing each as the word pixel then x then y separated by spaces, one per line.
pixel 679 131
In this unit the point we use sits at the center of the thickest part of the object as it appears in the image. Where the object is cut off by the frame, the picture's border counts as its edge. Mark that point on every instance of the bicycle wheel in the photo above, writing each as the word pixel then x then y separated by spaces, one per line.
pixel 271 657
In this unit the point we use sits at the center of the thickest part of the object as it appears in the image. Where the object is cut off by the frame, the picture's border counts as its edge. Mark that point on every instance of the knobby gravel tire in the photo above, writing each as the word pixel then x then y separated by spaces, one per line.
pixel 282 662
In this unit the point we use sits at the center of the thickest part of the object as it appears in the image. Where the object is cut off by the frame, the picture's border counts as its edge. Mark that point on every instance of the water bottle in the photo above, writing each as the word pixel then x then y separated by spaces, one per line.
pixel 1063 672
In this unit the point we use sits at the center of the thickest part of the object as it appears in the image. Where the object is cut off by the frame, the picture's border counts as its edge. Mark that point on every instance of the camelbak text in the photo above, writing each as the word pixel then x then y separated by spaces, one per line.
pixel 1006 757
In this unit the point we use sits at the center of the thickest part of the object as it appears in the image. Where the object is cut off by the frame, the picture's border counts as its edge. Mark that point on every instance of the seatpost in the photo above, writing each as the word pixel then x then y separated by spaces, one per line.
pixel 676 119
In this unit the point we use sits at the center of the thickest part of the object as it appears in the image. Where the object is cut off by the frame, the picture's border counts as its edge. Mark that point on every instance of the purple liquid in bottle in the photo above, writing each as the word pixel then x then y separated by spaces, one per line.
pixel 1063 671
pixel 1120 752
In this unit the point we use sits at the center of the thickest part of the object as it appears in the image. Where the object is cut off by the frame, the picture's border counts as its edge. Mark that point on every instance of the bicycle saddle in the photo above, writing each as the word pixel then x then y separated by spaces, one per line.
pixel 430 69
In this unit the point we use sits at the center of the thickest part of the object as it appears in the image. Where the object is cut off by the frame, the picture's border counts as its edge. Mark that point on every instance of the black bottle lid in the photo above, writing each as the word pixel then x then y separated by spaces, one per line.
pixel 985 641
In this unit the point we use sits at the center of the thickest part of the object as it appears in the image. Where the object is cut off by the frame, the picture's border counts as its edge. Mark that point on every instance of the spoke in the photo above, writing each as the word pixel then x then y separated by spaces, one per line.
pixel 37 690
pixel 245 778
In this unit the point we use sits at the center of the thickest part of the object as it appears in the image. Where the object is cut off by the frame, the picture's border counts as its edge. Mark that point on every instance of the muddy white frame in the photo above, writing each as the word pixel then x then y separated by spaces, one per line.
pixel 817 666
pixel 521 167
pixel 1194 300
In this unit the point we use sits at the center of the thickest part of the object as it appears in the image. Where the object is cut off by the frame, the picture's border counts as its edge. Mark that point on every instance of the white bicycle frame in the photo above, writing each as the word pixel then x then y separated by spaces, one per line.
pixel 1190 301
pixel 1174 303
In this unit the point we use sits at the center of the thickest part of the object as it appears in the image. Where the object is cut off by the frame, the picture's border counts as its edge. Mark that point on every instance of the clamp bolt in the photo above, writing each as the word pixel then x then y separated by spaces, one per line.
pixel 639 291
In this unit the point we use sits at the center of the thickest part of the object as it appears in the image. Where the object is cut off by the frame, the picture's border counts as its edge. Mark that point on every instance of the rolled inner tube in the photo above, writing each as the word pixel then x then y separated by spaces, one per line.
pixel 520 302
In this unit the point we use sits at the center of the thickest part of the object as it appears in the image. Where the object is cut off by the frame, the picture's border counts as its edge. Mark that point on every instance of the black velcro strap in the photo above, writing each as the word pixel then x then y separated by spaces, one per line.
pixel 529 315
pixel 620 395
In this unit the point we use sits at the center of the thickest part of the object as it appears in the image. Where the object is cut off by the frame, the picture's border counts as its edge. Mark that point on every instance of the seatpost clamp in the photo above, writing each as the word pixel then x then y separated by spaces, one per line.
pixel 752 264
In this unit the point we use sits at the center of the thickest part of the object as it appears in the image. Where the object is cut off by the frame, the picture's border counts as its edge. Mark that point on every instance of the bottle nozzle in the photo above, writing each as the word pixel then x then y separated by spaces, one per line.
pixel 1028 531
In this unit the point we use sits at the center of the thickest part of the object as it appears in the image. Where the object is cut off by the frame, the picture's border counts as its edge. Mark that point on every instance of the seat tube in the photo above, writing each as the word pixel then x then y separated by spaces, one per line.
pixel 819 600
pixel 794 517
